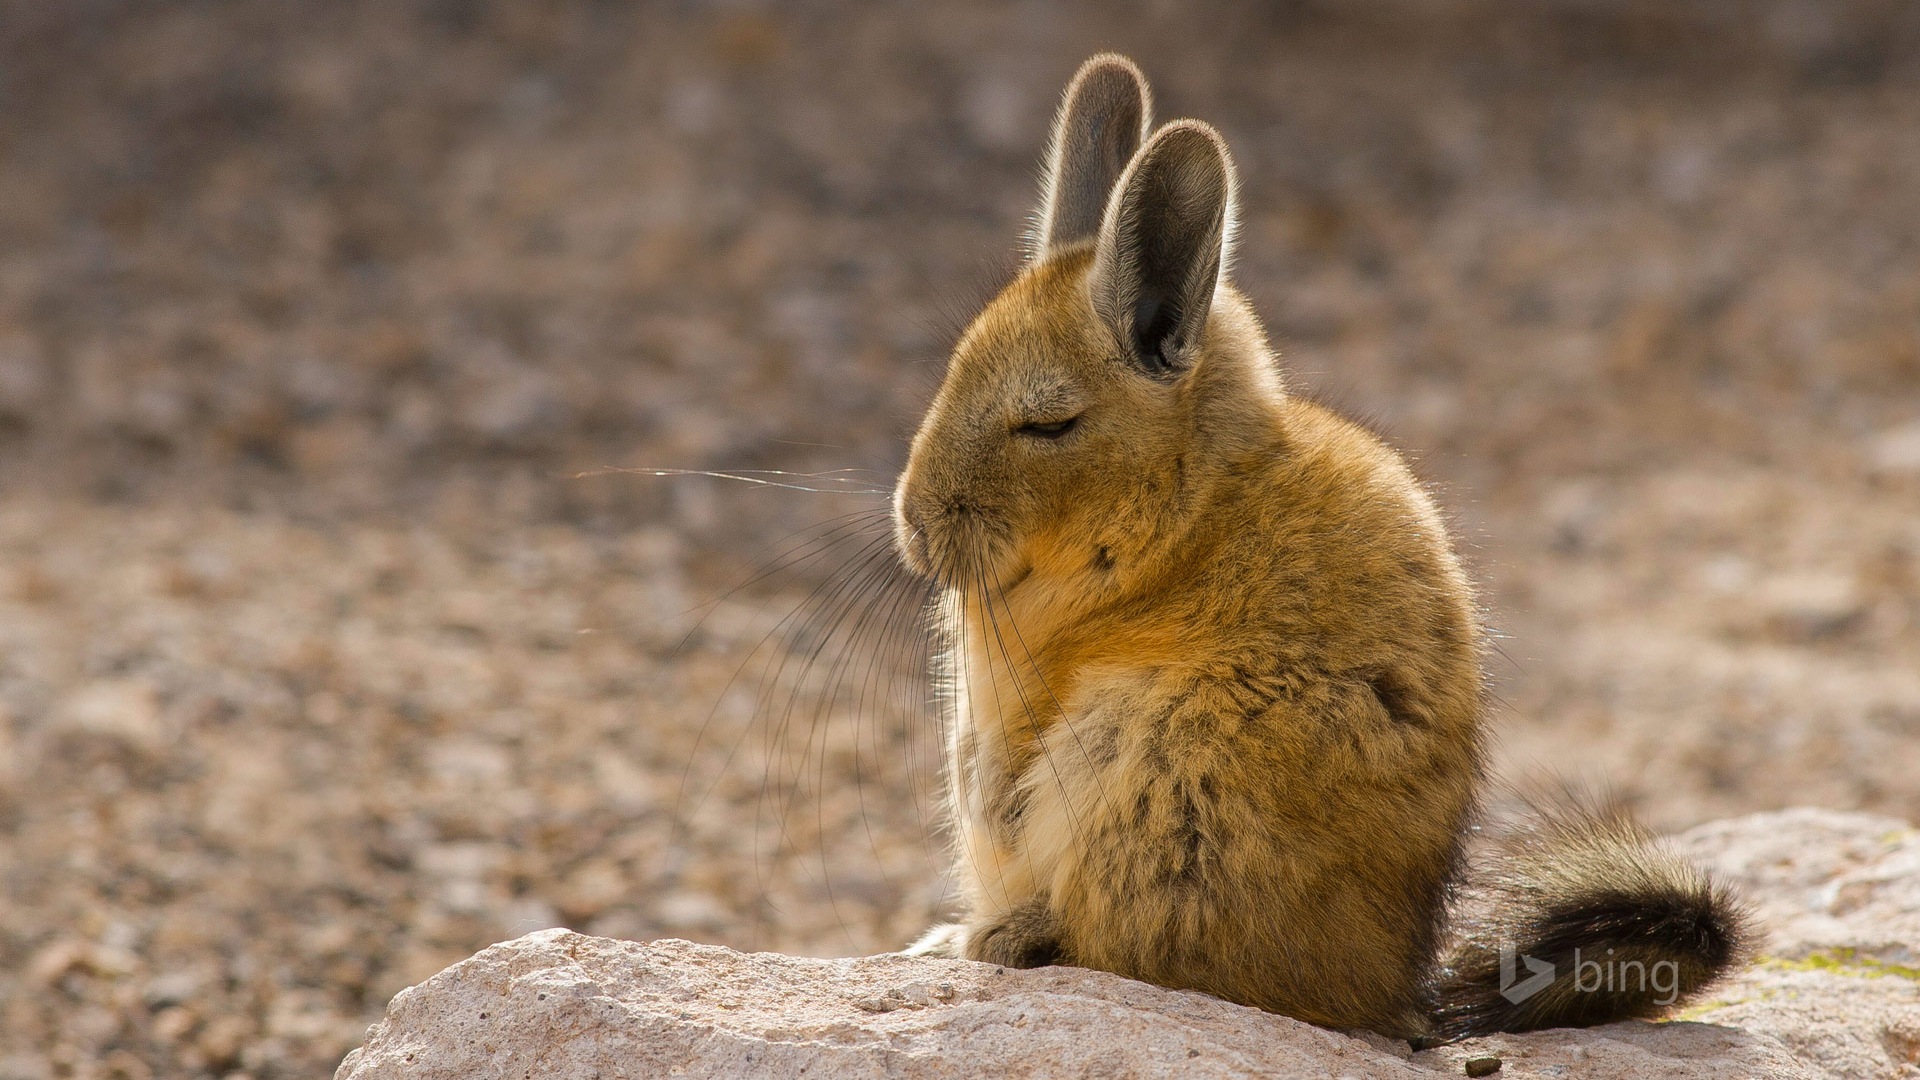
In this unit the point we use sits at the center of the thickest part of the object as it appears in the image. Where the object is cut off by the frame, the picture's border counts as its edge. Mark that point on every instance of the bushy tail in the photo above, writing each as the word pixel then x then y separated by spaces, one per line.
pixel 1579 919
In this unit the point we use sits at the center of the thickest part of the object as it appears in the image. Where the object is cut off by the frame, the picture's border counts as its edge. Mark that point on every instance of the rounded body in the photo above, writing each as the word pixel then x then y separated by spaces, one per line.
pixel 1214 669
pixel 1248 773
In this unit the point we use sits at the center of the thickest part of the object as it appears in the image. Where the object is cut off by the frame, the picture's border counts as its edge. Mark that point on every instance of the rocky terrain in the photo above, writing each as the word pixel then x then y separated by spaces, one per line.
pixel 1837 995
pixel 335 647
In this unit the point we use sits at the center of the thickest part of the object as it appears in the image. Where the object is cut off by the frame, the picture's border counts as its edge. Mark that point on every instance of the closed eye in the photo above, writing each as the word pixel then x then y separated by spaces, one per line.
pixel 1047 429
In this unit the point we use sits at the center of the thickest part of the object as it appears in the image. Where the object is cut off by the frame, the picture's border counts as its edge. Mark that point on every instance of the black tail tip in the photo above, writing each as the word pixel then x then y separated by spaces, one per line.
pixel 1629 953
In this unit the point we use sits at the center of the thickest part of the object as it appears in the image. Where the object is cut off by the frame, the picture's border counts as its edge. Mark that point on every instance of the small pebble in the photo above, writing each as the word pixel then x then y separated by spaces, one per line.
pixel 1483 1066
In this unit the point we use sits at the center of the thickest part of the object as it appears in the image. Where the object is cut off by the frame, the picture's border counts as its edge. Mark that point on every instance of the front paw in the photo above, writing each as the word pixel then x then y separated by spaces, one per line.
pixel 947 940
pixel 1025 937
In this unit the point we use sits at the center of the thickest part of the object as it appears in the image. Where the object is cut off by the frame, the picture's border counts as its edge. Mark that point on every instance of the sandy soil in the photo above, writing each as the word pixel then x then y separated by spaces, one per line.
pixel 322 665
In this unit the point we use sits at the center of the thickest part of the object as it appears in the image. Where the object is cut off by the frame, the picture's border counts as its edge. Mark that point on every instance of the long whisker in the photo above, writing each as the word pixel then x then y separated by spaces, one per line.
pixel 858 604
pixel 947 620
pixel 770 674
pixel 883 596
pixel 958 779
pixel 861 603
pixel 825 597
pixel 843 528
pixel 826 534
pixel 1026 706
pixel 879 685
pixel 845 645
pixel 941 621
pixel 839 600
pixel 745 476
pixel 1041 678
pixel 916 678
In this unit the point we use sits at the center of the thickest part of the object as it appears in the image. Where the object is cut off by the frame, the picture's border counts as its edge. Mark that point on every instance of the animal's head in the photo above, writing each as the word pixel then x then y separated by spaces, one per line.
pixel 1062 435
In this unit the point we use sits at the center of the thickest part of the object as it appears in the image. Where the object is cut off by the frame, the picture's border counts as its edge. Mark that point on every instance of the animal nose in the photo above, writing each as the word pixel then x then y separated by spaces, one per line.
pixel 958 508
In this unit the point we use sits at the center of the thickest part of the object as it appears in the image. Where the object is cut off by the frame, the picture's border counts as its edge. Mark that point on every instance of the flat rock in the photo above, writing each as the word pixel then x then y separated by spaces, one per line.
pixel 1838 982
pixel 1821 881
pixel 1835 995
pixel 560 1004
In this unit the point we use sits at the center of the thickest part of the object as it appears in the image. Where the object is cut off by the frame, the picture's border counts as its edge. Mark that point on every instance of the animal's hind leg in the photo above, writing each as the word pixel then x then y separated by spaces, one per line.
pixel 1025 936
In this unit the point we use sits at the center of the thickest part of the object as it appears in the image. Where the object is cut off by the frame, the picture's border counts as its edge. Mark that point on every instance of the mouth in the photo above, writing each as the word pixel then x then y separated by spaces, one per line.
pixel 960 553
pixel 912 544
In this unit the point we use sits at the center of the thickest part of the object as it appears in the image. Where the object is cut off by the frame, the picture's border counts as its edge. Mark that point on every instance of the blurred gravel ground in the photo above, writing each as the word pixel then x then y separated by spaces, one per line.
pixel 321 666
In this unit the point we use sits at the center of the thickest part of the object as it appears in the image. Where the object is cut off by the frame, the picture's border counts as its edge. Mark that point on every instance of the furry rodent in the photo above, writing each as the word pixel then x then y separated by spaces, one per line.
pixel 1215 696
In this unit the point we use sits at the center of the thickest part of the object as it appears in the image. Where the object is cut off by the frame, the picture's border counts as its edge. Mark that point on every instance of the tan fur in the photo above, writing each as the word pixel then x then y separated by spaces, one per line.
pixel 1214 666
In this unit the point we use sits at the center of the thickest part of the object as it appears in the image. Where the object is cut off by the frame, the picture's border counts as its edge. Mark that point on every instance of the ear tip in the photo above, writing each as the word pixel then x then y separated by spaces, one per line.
pixel 1190 143
pixel 1115 75
pixel 1111 61
pixel 1191 133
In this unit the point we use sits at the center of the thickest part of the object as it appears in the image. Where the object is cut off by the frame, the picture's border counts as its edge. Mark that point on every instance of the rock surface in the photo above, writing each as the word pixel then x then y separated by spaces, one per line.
pixel 1839 980
pixel 1837 994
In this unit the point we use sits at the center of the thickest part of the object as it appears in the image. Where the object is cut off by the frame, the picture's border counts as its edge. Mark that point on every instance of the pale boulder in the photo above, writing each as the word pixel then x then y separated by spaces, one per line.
pixel 1835 995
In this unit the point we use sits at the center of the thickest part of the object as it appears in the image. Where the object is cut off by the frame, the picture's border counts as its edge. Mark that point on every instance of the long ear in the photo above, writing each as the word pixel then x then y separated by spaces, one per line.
pixel 1164 244
pixel 1105 114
